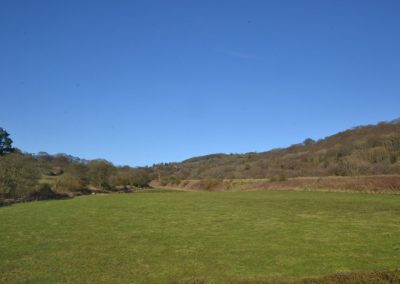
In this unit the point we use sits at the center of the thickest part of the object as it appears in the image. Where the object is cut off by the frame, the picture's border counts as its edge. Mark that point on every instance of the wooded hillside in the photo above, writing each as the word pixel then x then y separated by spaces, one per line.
pixel 363 150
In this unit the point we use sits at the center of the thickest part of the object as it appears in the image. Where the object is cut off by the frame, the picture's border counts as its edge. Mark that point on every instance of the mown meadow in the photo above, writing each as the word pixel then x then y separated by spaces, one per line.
pixel 166 236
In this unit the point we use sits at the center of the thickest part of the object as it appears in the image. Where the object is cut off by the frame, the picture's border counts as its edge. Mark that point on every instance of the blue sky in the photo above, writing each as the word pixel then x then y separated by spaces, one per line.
pixel 140 82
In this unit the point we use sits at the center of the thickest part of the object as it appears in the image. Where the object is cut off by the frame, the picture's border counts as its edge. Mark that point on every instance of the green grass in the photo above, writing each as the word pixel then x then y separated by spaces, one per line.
pixel 160 237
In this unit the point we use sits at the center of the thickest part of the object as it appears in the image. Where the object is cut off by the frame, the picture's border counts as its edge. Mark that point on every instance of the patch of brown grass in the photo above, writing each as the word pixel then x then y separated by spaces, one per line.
pixel 375 277
pixel 369 184
pixel 372 184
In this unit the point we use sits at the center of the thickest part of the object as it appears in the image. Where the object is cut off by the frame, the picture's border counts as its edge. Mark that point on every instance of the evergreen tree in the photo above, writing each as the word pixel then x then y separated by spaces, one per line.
pixel 5 142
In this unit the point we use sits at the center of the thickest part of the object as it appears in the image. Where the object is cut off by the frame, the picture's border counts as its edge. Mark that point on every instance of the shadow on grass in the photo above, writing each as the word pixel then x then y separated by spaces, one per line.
pixel 44 193
pixel 375 277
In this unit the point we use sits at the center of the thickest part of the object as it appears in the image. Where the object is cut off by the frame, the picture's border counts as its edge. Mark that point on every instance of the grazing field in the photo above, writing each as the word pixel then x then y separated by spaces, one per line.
pixel 160 237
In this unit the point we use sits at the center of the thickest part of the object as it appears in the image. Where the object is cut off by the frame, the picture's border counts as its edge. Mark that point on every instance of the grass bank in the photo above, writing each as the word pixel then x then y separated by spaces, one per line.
pixel 366 184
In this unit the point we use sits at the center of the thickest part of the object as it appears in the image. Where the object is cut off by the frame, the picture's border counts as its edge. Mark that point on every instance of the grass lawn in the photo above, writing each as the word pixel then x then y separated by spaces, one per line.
pixel 164 236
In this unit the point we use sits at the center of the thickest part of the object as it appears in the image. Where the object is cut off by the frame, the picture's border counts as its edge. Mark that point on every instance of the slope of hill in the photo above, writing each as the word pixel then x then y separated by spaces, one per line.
pixel 362 150
pixel 366 150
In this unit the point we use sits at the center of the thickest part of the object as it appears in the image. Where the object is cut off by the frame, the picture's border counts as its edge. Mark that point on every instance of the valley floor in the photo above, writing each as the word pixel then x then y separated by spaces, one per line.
pixel 161 237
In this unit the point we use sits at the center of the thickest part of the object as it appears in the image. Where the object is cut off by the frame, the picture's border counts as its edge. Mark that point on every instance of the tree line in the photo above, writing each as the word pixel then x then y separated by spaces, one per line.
pixel 24 175
pixel 363 150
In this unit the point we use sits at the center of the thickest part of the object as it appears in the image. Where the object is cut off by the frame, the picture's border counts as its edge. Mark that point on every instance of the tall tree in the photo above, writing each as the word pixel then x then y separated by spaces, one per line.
pixel 5 142
pixel 100 172
pixel 19 176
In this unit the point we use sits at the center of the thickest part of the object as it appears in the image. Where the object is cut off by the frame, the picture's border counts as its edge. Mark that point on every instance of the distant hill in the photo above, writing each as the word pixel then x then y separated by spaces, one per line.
pixel 362 150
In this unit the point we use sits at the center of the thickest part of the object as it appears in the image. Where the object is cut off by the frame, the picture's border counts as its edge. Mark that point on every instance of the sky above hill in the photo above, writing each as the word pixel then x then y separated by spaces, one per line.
pixel 140 82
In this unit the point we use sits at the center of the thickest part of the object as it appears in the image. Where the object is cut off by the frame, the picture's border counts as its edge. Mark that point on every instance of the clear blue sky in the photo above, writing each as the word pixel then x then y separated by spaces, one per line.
pixel 139 82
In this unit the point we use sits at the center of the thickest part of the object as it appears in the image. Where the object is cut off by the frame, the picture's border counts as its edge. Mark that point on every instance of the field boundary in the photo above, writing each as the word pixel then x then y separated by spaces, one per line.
pixel 388 184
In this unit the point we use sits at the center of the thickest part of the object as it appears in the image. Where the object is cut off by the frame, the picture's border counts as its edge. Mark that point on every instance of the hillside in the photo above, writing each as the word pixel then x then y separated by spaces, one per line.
pixel 362 150
pixel 365 150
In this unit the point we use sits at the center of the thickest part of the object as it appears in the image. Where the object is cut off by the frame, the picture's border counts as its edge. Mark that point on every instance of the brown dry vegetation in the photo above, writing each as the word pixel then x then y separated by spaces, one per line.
pixel 376 277
pixel 364 150
pixel 370 184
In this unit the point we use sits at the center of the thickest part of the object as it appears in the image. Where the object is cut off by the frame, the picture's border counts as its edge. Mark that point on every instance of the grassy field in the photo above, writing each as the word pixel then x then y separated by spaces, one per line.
pixel 161 237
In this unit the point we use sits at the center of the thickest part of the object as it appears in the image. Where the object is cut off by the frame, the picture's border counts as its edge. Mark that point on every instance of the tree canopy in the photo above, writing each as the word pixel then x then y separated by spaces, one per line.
pixel 5 142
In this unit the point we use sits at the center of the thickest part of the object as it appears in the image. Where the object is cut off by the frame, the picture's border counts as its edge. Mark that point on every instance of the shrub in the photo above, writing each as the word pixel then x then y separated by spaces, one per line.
pixel 68 183
pixel 170 180
pixel 210 183
pixel 280 177
pixel 18 176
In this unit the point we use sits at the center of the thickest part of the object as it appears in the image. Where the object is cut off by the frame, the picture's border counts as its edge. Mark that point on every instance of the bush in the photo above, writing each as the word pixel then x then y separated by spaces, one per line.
pixel 43 192
pixel 170 180
pixel 210 183
pixel 68 183
pixel 280 177
pixel 18 176
pixel 131 177
pixel 174 180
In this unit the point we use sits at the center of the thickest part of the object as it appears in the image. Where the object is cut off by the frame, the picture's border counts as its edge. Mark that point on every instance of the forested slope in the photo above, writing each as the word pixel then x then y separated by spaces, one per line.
pixel 363 150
